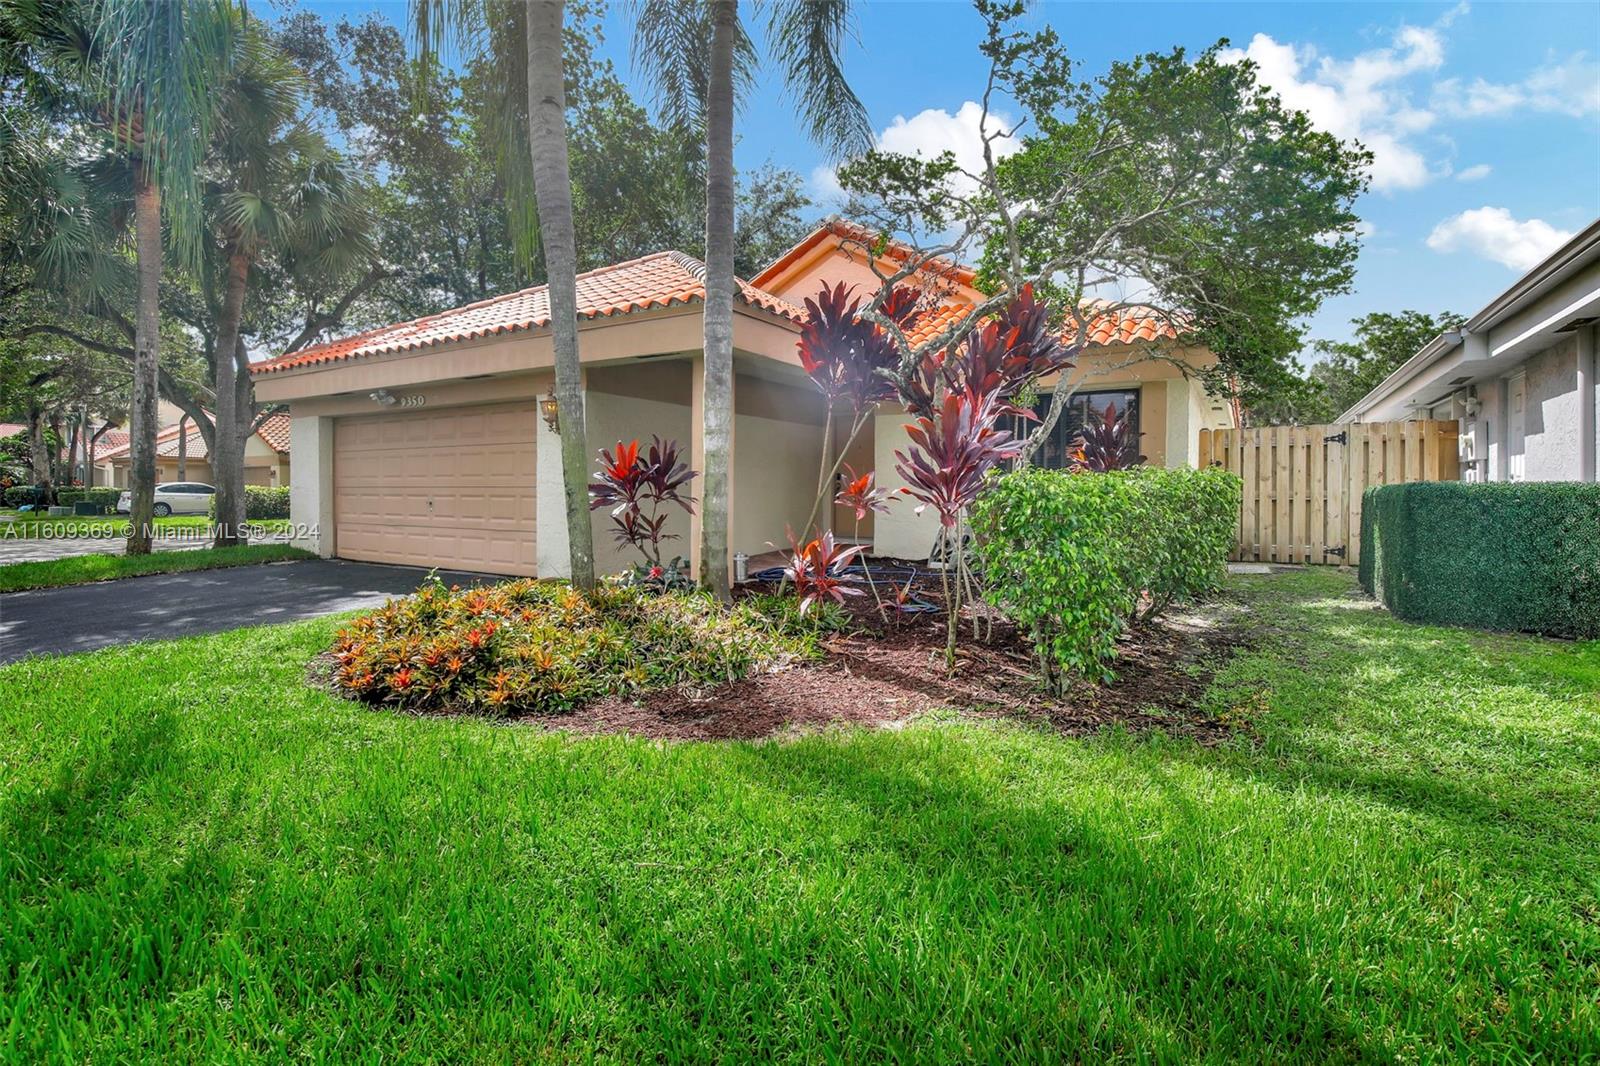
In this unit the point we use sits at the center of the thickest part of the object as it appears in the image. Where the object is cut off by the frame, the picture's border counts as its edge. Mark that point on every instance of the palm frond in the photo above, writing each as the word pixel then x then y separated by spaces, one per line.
pixel 806 38
pixel 157 69
pixel 672 49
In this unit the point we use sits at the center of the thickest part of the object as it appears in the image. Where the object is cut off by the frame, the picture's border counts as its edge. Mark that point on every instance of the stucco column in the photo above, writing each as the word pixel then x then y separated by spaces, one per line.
pixel 1587 444
pixel 1493 396
pixel 1183 424
pixel 311 484
pixel 552 556
pixel 901 532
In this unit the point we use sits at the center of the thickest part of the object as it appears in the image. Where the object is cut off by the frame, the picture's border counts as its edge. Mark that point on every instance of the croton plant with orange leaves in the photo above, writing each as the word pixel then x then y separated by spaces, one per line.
pixel 529 646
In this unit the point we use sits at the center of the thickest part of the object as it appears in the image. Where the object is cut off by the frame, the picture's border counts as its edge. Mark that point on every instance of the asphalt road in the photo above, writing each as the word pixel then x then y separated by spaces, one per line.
pixel 162 606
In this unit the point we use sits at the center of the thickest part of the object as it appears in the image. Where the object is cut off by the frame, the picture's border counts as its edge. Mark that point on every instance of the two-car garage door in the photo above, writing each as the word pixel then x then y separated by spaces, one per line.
pixel 451 488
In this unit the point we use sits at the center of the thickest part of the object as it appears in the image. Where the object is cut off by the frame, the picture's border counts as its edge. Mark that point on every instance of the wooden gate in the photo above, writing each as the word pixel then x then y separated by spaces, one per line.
pixel 1303 484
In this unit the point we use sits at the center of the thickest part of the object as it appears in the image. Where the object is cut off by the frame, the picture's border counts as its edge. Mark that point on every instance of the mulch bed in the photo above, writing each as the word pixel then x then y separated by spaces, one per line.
pixel 882 676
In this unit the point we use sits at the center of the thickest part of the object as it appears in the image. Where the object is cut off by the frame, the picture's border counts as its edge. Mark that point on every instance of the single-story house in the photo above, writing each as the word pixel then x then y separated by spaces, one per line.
pixel 428 443
pixel 266 455
pixel 1519 376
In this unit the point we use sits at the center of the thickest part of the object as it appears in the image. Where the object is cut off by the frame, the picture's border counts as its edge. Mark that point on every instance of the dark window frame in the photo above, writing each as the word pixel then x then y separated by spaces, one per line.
pixel 1053 454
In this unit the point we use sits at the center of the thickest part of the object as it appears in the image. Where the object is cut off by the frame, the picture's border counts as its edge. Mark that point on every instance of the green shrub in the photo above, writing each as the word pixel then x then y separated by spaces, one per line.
pixel 106 497
pixel 261 502
pixel 1074 558
pixel 1182 525
pixel 19 495
pixel 534 646
pixel 1519 556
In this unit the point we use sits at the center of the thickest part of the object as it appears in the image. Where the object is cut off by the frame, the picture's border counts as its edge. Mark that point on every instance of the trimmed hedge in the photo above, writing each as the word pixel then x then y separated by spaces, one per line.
pixel 1074 559
pixel 106 497
pixel 261 502
pixel 19 495
pixel 1520 556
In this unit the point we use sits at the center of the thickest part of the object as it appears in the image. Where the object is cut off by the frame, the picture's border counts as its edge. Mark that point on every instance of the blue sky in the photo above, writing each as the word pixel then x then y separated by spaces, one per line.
pixel 1485 118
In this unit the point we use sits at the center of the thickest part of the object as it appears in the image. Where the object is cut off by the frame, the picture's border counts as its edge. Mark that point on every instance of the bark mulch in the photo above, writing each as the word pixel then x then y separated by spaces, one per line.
pixel 882 676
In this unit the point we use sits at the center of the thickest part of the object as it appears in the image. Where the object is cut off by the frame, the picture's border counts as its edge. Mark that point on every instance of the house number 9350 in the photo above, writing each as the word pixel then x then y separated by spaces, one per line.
pixel 413 401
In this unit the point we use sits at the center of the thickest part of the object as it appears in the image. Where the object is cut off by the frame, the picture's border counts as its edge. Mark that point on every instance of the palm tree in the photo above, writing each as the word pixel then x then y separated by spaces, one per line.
pixel 272 183
pixel 699 56
pixel 152 68
pixel 523 43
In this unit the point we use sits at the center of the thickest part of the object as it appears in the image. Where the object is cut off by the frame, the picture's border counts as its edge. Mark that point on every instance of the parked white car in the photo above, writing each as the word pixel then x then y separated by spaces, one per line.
pixel 174 497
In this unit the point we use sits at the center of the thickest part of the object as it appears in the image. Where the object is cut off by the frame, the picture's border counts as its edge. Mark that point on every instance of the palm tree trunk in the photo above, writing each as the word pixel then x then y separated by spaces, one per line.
pixel 718 400
pixel 234 412
pixel 552 189
pixel 147 350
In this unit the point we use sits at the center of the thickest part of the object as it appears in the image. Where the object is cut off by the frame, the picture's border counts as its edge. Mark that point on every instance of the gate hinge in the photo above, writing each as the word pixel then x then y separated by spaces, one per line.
pixel 1339 551
pixel 1341 437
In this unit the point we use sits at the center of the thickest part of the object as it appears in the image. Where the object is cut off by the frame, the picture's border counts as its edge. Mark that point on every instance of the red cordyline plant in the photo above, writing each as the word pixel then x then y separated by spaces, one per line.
pixel 817 570
pixel 638 489
pixel 852 361
pixel 959 397
pixel 864 497
pixel 1002 357
pixel 1109 444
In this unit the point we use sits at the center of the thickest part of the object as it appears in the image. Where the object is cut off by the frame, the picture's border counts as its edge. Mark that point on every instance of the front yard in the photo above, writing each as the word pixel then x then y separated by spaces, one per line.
pixel 1396 856
pixel 28 526
pixel 84 569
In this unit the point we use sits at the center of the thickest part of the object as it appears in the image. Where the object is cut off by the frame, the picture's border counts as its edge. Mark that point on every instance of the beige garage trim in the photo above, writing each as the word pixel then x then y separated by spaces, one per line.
pixel 452 488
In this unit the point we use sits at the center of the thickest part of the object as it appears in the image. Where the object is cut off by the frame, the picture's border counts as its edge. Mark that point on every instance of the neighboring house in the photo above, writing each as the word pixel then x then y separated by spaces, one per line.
pixel 112 441
pixel 266 455
pixel 427 443
pixel 1520 375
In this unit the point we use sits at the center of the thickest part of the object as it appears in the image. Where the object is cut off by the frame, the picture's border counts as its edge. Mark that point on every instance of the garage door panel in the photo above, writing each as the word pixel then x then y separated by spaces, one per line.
pixel 475 465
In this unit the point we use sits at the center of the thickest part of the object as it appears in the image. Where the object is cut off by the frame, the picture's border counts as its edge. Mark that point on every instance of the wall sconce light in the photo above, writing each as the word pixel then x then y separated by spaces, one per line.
pixel 1473 405
pixel 384 397
pixel 552 412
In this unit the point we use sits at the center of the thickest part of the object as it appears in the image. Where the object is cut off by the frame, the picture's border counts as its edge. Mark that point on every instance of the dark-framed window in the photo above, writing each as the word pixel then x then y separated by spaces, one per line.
pixel 1081 408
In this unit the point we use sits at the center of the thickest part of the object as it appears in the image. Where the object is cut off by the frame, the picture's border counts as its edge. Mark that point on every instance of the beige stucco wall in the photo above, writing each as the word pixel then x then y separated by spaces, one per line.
pixel 775 480
pixel 612 417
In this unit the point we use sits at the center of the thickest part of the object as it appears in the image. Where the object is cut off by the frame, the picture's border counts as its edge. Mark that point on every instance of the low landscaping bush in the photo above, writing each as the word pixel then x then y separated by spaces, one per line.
pixel 1074 558
pixel 19 496
pixel 1520 556
pixel 105 497
pixel 532 646
pixel 261 502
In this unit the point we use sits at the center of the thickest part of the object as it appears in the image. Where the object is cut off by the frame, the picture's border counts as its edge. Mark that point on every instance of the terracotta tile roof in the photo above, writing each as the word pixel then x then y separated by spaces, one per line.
pixel 169 434
pixel 112 440
pixel 837 229
pixel 659 280
pixel 11 429
pixel 274 431
pixel 167 444
pixel 1127 325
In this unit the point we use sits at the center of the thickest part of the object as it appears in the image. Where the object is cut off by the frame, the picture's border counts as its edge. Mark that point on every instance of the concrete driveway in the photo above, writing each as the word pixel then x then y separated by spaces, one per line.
pixel 161 606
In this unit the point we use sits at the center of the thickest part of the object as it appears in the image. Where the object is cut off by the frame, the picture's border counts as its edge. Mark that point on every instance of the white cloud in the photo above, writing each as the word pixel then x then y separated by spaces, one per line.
pixel 1569 87
pixel 1492 233
pixel 1362 98
pixel 1474 173
pixel 927 134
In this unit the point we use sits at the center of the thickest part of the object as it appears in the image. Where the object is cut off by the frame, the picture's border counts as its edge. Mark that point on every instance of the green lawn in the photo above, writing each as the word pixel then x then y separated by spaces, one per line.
pixel 82 569
pixel 113 525
pixel 204 859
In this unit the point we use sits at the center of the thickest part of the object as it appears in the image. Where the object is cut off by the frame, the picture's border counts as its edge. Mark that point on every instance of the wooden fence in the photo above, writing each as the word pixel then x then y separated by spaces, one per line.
pixel 1303 484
